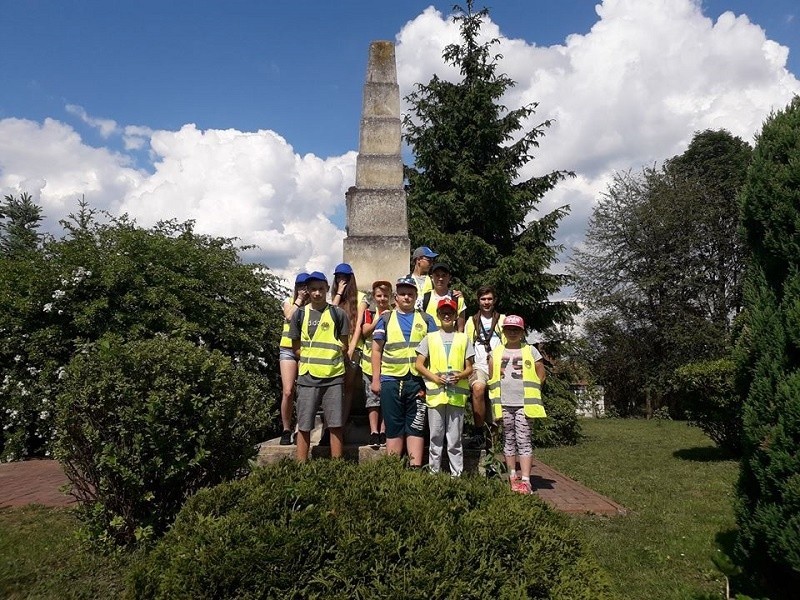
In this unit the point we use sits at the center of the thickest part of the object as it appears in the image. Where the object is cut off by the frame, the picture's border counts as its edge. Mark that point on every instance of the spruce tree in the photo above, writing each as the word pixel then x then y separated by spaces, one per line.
pixel 464 194
pixel 19 225
pixel 768 508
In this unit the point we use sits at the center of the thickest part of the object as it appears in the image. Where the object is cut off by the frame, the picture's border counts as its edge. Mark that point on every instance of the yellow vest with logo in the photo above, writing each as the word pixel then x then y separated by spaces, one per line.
pixel 321 356
pixel 399 356
pixel 531 386
pixel 469 329
pixel 441 363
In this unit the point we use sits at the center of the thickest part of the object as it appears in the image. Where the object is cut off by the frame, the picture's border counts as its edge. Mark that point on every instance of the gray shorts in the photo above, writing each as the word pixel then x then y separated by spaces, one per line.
pixel 309 399
pixel 372 399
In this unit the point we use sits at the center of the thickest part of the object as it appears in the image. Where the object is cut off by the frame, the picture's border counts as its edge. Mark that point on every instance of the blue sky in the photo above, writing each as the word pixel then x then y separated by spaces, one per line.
pixel 105 92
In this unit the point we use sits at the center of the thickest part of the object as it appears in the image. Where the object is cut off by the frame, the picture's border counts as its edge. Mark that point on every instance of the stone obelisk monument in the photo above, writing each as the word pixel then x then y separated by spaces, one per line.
pixel 377 244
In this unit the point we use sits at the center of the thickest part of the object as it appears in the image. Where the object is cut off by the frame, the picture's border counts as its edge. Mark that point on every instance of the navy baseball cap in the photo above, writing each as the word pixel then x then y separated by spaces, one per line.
pixel 343 269
pixel 406 281
pixel 316 275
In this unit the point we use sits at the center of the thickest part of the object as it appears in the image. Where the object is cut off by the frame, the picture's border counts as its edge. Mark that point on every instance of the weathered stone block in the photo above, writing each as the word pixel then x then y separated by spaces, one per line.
pixel 380 135
pixel 381 100
pixel 376 212
pixel 379 171
pixel 377 257
pixel 381 64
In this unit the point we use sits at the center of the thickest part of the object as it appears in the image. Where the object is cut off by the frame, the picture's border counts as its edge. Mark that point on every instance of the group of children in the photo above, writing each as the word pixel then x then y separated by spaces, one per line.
pixel 421 361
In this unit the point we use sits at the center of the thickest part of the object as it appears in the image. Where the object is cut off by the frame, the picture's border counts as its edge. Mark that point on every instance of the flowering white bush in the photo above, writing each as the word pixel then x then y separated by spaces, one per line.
pixel 136 283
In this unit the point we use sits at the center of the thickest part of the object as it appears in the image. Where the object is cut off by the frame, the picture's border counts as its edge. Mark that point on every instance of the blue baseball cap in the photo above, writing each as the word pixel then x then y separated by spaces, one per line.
pixel 423 251
pixel 316 275
pixel 343 269
pixel 301 278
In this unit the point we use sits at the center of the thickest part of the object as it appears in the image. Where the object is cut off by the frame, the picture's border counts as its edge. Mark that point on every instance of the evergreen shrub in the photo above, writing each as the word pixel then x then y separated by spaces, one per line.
pixel 707 391
pixel 768 362
pixel 331 529
pixel 142 425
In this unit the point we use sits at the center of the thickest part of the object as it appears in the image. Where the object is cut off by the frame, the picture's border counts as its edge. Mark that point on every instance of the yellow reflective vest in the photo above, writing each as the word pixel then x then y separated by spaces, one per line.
pixel 531 386
pixel 441 363
pixel 399 356
pixel 321 356
pixel 285 341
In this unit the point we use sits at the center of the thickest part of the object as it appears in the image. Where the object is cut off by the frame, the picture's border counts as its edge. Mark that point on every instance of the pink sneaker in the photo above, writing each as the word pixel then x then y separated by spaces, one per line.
pixel 524 487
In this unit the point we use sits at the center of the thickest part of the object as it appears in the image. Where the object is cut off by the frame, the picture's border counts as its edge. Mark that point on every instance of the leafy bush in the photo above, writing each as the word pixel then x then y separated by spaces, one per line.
pixel 707 391
pixel 331 529
pixel 144 424
pixel 561 427
pixel 137 283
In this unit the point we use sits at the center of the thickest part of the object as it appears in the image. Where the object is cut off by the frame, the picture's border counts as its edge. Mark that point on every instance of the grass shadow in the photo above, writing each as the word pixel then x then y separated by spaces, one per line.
pixel 703 454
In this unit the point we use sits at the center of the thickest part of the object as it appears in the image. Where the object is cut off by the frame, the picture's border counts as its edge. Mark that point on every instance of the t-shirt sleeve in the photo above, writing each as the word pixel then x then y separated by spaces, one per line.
pixel 379 333
pixel 470 349
pixel 432 326
pixel 422 348
pixel 537 356
pixel 295 324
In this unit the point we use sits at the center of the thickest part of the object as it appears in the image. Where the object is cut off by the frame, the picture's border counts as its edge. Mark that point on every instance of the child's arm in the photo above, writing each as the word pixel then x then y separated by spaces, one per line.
pixel 541 373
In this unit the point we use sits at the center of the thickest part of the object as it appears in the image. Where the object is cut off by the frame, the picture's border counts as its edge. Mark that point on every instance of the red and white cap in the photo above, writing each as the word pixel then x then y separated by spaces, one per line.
pixel 447 303
pixel 514 321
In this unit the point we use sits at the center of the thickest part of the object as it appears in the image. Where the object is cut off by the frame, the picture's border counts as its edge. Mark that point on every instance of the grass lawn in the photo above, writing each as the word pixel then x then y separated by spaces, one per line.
pixel 40 557
pixel 678 490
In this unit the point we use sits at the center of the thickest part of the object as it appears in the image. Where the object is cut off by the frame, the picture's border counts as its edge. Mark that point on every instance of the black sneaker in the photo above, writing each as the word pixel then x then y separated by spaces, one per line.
pixel 382 439
pixel 375 439
pixel 325 440
pixel 286 438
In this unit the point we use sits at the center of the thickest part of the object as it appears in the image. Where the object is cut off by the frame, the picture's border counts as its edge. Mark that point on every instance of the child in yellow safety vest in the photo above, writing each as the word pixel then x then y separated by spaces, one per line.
pixel 515 390
pixel 444 359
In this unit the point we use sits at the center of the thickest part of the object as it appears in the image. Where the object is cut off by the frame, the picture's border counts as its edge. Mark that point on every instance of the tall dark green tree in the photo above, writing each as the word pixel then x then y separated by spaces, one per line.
pixel 464 194
pixel 19 224
pixel 661 269
pixel 768 510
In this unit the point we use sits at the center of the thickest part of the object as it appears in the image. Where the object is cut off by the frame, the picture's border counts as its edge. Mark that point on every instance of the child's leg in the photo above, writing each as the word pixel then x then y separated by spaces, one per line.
pixel 524 446
pixel 436 424
pixel 509 440
pixel 455 427
pixel 374 416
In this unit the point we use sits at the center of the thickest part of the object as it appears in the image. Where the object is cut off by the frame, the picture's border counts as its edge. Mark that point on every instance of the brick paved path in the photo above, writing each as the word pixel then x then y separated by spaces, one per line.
pixel 38 482
pixel 33 482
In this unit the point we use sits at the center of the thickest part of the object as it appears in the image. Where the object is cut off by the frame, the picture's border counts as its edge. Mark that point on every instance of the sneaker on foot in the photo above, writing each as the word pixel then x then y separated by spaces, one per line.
pixel 325 440
pixel 286 438
pixel 382 438
pixel 523 487
pixel 375 439
pixel 514 479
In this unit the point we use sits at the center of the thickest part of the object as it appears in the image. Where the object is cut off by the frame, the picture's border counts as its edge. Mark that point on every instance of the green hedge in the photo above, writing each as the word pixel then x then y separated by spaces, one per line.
pixel 143 425
pixel 707 391
pixel 331 529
